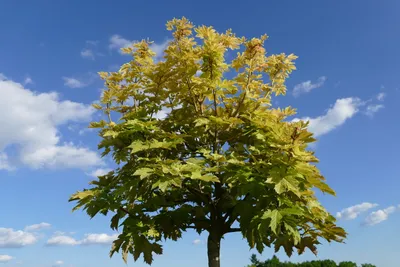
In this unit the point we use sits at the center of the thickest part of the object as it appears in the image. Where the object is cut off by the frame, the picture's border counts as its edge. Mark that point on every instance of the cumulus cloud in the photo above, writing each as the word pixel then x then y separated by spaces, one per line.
pixel 5 258
pixel 353 212
pixel 342 110
pixel 37 227
pixel 197 242
pixel 16 239
pixel 101 239
pixel 87 53
pixel 30 122
pixel 117 42
pixel 379 216
pixel 89 239
pixel 308 86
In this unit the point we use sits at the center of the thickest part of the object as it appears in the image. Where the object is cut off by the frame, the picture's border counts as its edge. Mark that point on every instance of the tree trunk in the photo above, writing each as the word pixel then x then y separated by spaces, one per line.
pixel 213 249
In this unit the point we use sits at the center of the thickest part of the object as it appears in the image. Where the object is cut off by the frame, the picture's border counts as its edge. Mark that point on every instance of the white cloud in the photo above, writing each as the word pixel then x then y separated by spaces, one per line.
pixel 89 239
pixel 28 80
pixel 65 156
pixel 37 227
pixel 16 239
pixel 381 96
pixel 101 239
pixel 99 172
pixel 73 82
pixel 379 216
pixel 83 80
pixel 62 240
pixel 373 108
pixel 5 258
pixel 308 86
pixel 353 212
pixel 30 122
pixel 117 42
pixel 197 242
pixel 342 110
pixel 2 77
pixel 87 53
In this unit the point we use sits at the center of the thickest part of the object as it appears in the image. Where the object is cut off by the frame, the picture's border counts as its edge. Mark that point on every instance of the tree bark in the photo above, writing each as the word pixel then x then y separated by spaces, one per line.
pixel 213 249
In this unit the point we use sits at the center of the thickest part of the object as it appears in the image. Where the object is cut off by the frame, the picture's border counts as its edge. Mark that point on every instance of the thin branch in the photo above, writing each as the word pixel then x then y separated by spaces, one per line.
pixel 126 211
pixel 233 230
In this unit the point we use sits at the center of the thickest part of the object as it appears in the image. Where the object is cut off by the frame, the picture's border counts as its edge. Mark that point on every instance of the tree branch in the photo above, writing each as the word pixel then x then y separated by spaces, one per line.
pixel 126 211
pixel 233 230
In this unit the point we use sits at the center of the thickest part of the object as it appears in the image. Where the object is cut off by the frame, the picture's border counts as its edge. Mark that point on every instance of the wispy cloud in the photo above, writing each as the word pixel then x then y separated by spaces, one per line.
pixel 381 96
pixel 28 80
pixel 308 86
pixel 373 108
pixel 379 216
pixel 83 81
pixel 90 50
pixel 37 227
pixel 92 42
pixel 87 53
pixel 353 212
pixel 117 42
pixel 197 242
pixel 73 82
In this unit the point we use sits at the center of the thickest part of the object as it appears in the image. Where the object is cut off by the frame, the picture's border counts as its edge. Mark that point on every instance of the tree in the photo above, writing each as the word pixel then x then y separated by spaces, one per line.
pixel 328 263
pixel 222 160
pixel 347 264
pixel 367 265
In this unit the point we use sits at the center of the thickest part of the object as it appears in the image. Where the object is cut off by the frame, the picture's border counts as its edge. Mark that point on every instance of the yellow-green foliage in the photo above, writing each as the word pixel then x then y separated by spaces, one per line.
pixel 222 160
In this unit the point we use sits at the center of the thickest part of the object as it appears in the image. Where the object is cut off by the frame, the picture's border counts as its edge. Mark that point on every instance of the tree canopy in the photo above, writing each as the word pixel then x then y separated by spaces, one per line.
pixel 199 146
pixel 275 262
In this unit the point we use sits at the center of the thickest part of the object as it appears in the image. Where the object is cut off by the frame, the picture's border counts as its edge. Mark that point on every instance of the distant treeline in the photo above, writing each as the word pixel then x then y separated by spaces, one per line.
pixel 275 262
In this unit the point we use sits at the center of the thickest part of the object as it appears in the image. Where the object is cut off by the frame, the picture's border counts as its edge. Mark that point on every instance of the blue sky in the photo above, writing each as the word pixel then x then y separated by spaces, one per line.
pixel 347 85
